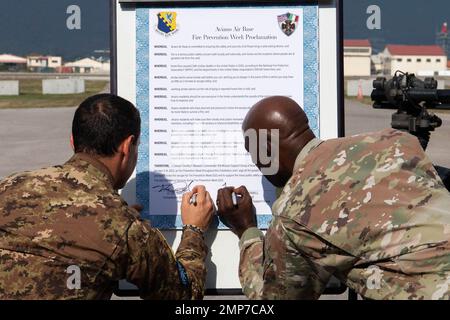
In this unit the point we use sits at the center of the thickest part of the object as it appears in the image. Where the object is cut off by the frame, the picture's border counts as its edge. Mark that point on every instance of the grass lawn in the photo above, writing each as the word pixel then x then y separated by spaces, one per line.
pixel 31 96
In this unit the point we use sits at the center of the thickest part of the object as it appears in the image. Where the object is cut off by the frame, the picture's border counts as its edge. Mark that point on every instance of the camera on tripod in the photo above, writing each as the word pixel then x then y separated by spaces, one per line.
pixel 412 98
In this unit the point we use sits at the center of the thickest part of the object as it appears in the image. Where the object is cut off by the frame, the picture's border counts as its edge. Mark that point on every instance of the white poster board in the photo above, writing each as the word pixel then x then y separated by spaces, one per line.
pixel 193 70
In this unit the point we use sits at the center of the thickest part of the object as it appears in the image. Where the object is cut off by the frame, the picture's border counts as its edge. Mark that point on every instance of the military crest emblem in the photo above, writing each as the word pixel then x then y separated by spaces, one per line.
pixel 288 23
pixel 167 22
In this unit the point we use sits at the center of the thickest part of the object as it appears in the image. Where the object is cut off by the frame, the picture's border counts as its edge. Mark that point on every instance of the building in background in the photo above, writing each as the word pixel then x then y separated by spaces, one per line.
pixel 9 62
pixel 357 58
pixel 88 65
pixel 421 60
pixel 38 63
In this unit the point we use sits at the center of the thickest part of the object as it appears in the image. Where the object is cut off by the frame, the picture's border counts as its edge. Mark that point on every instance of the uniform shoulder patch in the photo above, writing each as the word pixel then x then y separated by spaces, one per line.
pixel 183 275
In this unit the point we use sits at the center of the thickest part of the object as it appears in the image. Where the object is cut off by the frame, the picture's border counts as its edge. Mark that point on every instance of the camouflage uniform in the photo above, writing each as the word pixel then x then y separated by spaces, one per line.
pixel 71 215
pixel 368 209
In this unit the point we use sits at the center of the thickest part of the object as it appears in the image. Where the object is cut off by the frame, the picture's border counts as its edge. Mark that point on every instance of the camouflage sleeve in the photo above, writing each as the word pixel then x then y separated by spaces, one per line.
pixel 281 265
pixel 191 254
pixel 251 262
pixel 158 274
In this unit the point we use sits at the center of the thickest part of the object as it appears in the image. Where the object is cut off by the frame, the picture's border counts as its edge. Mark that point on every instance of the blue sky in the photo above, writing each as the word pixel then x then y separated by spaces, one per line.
pixel 402 21
pixel 39 26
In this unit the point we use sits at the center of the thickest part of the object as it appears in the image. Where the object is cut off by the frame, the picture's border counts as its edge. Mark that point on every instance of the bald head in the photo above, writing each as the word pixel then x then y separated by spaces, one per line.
pixel 284 114
pixel 277 113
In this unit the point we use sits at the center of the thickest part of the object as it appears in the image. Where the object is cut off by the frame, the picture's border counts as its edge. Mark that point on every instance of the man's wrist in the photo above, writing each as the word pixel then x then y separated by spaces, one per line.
pixel 194 228
pixel 241 231
pixel 250 235
pixel 192 245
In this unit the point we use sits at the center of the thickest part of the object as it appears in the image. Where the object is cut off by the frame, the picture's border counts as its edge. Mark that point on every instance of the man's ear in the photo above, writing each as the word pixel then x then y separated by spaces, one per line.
pixel 125 146
pixel 72 144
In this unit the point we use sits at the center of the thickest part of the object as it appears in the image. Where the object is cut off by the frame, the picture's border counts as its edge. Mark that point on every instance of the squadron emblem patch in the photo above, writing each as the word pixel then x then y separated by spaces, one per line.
pixel 167 22
pixel 184 279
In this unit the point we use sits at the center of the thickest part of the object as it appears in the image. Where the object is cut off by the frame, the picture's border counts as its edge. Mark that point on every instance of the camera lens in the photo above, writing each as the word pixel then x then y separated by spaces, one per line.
pixel 379 83
pixel 430 83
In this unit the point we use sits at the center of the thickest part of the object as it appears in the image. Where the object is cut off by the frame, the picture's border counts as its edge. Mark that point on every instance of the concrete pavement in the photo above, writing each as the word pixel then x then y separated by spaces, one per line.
pixel 361 118
pixel 34 138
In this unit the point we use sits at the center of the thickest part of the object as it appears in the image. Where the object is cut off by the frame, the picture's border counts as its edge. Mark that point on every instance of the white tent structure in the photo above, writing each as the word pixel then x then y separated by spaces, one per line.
pixel 12 59
pixel 88 65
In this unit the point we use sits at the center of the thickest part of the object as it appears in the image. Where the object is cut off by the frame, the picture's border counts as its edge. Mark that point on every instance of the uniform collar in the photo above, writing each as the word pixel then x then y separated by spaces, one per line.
pixel 310 146
pixel 95 163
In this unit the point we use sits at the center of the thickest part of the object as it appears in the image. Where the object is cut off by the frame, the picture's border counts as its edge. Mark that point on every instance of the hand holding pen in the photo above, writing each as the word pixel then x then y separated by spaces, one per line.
pixel 236 212
pixel 197 210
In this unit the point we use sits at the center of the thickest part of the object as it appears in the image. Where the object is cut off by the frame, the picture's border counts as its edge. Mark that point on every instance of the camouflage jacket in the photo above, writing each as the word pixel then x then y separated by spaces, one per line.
pixel 66 219
pixel 369 209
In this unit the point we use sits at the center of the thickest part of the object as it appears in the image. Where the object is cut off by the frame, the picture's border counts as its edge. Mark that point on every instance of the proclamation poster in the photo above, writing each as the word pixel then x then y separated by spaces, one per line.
pixel 199 70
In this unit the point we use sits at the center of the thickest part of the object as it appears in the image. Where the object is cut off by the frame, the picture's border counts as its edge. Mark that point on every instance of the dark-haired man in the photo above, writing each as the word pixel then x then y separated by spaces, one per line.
pixel 65 233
